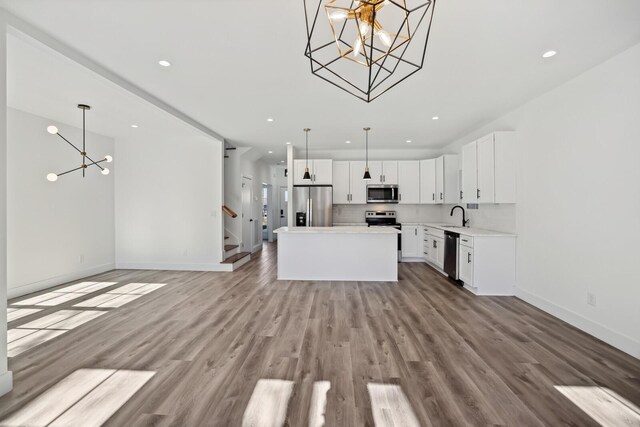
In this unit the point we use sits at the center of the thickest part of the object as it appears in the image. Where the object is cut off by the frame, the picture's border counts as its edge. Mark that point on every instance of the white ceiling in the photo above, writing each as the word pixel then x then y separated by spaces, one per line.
pixel 237 62
pixel 42 82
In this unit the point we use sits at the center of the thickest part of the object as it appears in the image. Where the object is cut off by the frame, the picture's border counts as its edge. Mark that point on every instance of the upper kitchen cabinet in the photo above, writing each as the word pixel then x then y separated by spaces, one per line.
pixel 428 181
pixel 468 194
pixel 321 171
pixel 342 183
pixel 447 167
pixel 390 172
pixel 409 181
pixel 375 169
pixel 488 169
pixel 348 185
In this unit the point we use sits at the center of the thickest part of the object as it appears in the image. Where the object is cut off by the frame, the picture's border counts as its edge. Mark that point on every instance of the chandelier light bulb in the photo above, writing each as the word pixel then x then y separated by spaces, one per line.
pixel 384 37
pixel 52 130
pixel 52 177
pixel 337 16
pixel 105 171
pixel 108 158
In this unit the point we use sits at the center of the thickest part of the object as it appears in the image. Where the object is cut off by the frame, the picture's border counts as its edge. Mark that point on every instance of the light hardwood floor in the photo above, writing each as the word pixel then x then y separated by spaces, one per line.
pixel 210 337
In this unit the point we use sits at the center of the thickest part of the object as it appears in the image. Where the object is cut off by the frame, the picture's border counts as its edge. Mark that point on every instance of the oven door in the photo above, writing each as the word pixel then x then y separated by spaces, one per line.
pixel 382 194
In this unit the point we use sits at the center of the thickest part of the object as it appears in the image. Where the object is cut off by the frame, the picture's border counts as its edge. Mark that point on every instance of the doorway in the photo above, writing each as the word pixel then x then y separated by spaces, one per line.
pixel 284 201
pixel 265 220
pixel 247 219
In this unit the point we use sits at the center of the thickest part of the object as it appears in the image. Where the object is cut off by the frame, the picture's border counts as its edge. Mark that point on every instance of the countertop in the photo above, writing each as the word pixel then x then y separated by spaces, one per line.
pixel 339 230
pixel 467 231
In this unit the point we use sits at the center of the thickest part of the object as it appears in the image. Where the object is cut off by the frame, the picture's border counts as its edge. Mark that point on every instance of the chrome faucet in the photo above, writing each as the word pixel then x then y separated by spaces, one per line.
pixel 464 220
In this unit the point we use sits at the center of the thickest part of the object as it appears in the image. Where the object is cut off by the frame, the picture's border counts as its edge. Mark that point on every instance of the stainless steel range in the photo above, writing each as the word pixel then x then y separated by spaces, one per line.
pixel 384 219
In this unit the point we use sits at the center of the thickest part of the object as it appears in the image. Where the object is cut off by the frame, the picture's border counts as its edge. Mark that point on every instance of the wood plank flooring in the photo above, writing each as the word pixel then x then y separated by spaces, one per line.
pixel 210 337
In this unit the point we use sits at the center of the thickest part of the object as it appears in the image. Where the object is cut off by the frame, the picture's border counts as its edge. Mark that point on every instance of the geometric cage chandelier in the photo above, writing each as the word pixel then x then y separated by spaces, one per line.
pixel 86 160
pixel 367 47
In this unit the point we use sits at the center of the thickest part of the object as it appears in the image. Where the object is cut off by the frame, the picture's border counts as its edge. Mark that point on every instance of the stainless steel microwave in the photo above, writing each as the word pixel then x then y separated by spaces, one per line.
pixel 382 193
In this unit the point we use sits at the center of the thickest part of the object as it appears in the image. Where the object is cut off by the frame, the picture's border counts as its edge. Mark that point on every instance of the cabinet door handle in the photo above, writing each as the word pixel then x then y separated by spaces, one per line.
pixel 468 258
pixel 478 193
pixel 434 244
pixel 381 178
pixel 460 194
pixel 433 196
pixel 440 196
pixel 415 231
pixel 400 196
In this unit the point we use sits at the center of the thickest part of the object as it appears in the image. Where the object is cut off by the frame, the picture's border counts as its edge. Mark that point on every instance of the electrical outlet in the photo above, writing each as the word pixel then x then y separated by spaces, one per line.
pixel 591 299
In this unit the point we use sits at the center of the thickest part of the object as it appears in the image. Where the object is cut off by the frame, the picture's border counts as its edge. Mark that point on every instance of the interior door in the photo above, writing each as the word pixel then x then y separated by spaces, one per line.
pixel 284 202
pixel 247 220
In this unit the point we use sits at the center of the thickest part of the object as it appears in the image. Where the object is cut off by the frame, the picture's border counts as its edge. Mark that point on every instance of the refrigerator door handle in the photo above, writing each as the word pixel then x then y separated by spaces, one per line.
pixel 310 213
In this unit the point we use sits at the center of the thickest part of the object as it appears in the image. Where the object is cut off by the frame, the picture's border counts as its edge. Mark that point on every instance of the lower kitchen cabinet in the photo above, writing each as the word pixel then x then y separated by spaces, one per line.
pixel 487 264
pixel 434 239
pixel 411 242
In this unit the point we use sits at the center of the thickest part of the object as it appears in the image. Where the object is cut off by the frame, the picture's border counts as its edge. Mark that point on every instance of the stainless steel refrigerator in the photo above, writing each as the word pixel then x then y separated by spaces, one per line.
pixel 313 205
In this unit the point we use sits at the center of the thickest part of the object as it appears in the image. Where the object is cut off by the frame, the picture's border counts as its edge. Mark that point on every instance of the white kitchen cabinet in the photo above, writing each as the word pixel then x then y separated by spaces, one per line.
pixel 321 171
pixel 489 169
pixel 465 263
pixel 410 242
pixel 469 173
pixel 447 167
pixel 341 183
pixel 375 169
pixel 435 252
pixel 358 185
pixel 438 247
pixel 505 152
pixel 485 170
pixel 425 243
pixel 409 181
pixel 428 181
pixel 487 264
pixel 390 172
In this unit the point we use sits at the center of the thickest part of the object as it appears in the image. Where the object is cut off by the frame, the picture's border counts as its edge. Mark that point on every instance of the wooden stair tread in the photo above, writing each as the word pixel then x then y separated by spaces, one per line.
pixel 236 257
pixel 229 247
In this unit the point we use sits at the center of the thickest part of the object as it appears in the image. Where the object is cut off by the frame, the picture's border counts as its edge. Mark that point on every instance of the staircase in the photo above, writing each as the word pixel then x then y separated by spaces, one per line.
pixel 233 256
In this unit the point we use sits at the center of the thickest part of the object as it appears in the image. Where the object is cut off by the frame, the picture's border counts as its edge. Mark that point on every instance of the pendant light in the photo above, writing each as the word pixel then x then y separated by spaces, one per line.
pixel 367 175
pixel 86 160
pixel 307 175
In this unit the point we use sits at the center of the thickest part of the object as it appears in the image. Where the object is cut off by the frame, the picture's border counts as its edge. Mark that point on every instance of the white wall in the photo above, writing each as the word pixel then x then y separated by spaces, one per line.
pixel 169 193
pixel 577 216
pixel 57 231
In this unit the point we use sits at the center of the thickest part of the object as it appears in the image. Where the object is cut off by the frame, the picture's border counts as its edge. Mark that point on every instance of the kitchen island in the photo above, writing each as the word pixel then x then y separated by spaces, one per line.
pixel 353 253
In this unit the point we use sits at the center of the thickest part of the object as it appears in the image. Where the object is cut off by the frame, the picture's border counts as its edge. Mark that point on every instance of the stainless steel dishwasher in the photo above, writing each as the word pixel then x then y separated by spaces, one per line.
pixel 451 254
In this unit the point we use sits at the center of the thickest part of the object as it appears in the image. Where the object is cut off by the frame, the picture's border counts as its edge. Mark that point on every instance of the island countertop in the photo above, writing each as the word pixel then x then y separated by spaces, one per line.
pixel 338 230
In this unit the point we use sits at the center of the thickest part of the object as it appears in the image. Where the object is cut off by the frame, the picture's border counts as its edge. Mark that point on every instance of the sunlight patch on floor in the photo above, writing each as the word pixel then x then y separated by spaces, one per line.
pixel 87 398
pixel 390 406
pixel 19 313
pixel 267 406
pixel 34 333
pixel 603 405
pixel 318 403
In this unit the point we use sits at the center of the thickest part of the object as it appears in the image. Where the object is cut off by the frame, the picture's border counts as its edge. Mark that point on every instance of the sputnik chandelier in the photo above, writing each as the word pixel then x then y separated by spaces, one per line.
pixel 54 131
pixel 367 47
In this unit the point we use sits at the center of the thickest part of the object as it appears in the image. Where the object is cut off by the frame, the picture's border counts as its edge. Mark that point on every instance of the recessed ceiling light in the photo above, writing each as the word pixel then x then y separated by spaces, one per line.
pixel 435 118
pixel 134 126
pixel 288 143
pixel 347 142
pixel 270 152
pixel 164 63
pixel 269 119
pixel 408 141
pixel 549 54
pixel 281 161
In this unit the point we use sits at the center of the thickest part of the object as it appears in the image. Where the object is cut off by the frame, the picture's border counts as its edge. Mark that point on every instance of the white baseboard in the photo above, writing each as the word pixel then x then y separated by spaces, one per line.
pixel 611 337
pixel 6 383
pixel 18 291
pixel 171 266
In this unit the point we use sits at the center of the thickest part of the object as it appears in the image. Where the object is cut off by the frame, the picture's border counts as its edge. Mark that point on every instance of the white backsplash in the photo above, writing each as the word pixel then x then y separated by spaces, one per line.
pixel 490 217
pixel 405 213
